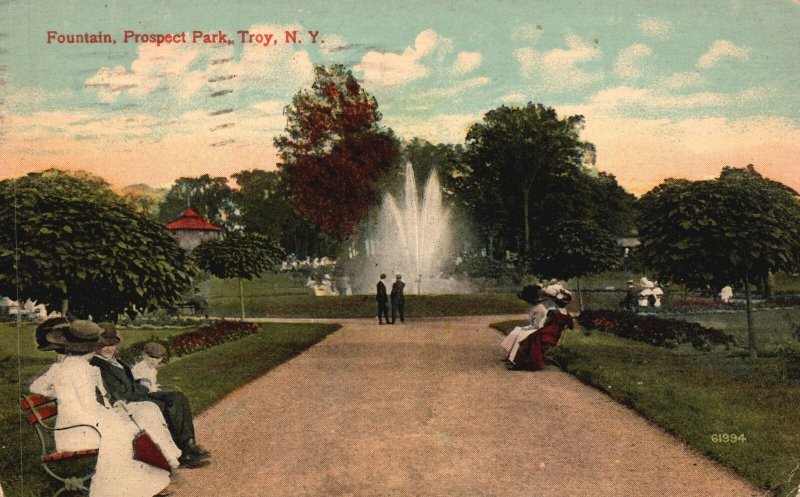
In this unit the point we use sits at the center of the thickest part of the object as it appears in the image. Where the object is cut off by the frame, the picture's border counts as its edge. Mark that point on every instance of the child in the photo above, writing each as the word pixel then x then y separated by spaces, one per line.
pixel 146 370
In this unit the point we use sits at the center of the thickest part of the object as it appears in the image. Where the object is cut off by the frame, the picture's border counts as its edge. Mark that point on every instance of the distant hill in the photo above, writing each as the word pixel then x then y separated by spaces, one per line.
pixel 142 190
pixel 145 198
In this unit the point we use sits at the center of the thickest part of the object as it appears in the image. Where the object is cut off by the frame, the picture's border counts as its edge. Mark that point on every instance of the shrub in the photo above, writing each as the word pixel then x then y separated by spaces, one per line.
pixel 656 331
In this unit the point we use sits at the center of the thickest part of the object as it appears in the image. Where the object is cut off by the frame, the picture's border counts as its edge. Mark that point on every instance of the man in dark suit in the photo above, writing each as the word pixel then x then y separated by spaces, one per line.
pixel 383 301
pixel 398 300
pixel 121 386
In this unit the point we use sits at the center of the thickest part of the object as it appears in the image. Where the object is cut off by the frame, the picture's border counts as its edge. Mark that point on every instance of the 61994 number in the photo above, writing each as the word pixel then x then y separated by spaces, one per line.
pixel 728 438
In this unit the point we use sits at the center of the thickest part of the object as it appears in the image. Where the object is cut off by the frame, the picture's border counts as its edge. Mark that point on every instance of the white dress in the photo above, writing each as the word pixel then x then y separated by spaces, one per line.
pixel 143 370
pixel 75 382
pixel 538 314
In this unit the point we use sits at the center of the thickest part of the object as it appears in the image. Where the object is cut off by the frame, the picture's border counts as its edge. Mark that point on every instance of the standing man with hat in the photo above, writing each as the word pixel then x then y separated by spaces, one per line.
pixel 398 300
pixel 383 301
pixel 120 385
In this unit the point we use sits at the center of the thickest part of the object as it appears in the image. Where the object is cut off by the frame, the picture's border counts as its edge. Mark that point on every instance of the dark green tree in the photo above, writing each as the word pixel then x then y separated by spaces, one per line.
pixel 210 197
pixel 334 152
pixel 240 256
pixel 444 158
pixel 81 249
pixel 523 150
pixel 265 207
pixel 572 249
pixel 729 230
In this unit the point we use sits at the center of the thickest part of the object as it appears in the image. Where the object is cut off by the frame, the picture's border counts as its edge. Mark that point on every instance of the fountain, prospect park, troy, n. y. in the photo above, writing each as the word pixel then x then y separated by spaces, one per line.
pixel 412 236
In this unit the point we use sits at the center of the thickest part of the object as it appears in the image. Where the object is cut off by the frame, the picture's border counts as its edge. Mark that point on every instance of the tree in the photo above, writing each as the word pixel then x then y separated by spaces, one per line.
pixel 575 248
pixel 444 158
pixel 263 199
pixel 526 147
pixel 723 231
pixel 334 153
pixel 598 198
pixel 210 197
pixel 266 208
pixel 240 256
pixel 83 250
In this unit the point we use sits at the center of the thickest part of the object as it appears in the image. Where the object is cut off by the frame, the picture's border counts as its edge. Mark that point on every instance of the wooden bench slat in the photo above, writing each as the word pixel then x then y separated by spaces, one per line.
pixel 35 401
pixel 64 456
pixel 45 412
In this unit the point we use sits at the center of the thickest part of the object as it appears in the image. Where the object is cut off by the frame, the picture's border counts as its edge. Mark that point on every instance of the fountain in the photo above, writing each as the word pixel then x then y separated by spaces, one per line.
pixel 412 237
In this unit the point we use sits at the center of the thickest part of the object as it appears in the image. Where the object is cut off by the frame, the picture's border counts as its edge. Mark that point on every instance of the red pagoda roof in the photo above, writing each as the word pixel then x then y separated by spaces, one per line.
pixel 191 220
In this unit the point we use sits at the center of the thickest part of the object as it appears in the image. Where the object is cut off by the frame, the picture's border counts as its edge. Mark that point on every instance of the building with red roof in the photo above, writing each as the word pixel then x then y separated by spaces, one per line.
pixel 191 229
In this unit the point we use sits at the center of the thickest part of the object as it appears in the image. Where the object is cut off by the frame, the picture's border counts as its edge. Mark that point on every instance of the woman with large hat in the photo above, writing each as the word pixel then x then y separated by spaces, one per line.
pixel 81 401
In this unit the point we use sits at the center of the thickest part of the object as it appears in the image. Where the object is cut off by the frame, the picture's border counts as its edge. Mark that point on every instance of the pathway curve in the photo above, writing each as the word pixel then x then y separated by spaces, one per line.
pixel 427 408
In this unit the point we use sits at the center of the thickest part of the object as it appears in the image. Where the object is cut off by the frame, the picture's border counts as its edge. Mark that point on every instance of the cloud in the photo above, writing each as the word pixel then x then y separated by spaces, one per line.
pixel 528 32
pixel 443 128
pixel 333 43
pixel 187 71
pixel 451 91
pixel 513 98
pixel 627 65
pixel 466 62
pixel 681 80
pixel 558 68
pixel 382 69
pixel 154 67
pixel 626 99
pixel 721 50
pixel 656 28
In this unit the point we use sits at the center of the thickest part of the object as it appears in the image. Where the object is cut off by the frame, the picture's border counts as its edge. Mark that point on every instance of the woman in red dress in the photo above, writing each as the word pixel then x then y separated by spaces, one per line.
pixel 532 349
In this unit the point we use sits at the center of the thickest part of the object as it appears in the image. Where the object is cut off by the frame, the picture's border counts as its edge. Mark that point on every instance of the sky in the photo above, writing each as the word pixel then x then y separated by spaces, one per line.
pixel 668 89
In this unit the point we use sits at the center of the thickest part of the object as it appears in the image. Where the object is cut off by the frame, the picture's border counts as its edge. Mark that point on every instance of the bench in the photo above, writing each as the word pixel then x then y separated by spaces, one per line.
pixel 38 409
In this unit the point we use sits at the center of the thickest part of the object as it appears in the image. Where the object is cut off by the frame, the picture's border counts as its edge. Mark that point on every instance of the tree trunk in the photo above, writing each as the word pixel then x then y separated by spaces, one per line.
pixel 751 339
pixel 64 307
pixel 580 295
pixel 491 246
pixel 241 297
pixel 526 209
pixel 769 285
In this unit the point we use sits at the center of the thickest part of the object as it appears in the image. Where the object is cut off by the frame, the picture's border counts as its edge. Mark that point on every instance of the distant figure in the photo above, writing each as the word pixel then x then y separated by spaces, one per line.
pixel 631 299
pixel 726 294
pixel 383 301
pixel 146 370
pixel 398 300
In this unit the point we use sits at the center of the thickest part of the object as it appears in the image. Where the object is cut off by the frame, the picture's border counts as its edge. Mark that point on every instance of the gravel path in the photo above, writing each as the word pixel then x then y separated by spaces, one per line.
pixel 428 408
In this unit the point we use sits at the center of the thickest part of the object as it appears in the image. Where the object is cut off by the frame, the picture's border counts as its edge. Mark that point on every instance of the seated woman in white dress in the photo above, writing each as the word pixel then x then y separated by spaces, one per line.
pixel 537 312
pixel 540 300
pixel 78 387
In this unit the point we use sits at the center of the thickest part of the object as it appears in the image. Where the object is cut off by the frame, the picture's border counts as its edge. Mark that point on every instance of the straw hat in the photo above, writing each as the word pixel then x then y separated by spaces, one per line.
pixel 79 336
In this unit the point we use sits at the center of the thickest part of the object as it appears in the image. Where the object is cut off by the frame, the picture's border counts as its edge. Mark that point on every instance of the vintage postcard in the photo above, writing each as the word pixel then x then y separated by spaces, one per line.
pixel 489 247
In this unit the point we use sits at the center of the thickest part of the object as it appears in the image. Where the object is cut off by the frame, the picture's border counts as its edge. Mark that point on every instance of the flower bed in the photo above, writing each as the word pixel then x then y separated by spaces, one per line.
pixel 210 335
pixel 205 337
pixel 656 331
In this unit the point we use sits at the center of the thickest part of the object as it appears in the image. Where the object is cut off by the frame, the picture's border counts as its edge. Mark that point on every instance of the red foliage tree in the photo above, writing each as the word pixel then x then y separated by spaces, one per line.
pixel 333 152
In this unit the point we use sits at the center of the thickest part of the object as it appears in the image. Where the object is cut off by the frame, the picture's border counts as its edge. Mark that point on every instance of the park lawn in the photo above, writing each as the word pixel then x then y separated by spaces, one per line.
pixel 772 327
pixel 237 363
pixel 364 306
pixel 695 396
pixel 233 364
pixel 266 285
